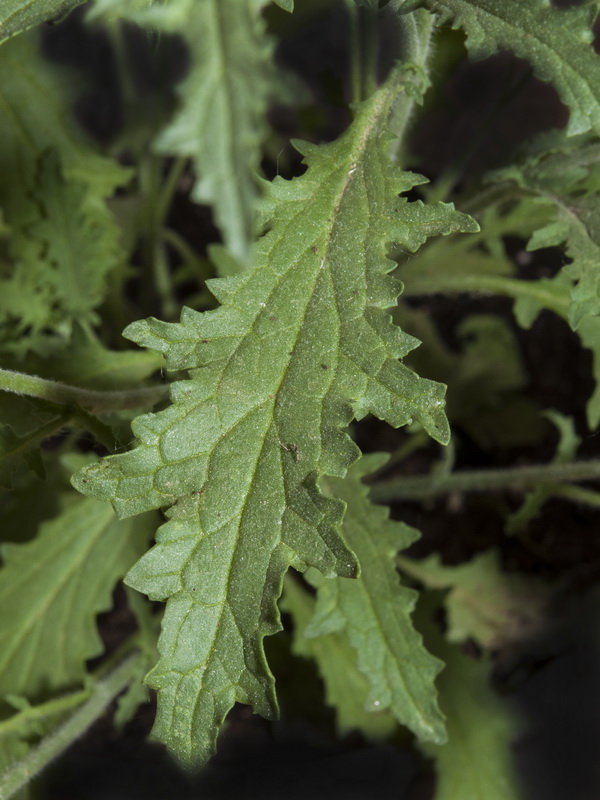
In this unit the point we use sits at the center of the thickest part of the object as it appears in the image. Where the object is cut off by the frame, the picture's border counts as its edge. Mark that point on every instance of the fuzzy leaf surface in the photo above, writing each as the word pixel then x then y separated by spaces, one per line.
pixel 557 43
pixel 19 15
pixel 301 343
pixel 373 611
pixel 46 636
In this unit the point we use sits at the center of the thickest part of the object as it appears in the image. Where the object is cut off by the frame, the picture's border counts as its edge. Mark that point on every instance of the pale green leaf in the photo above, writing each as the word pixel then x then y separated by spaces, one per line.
pixel 557 42
pixel 477 763
pixel 89 364
pixel 62 241
pixel 220 123
pixel 483 602
pixel 373 611
pixel 301 344
pixel 221 120
pixel 51 590
pixel 19 15
pixel 346 688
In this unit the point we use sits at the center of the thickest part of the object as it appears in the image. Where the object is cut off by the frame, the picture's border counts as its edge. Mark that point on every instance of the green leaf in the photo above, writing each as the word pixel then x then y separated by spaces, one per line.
pixel 483 603
pixel 301 344
pixel 373 611
pixel 346 688
pixel 51 590
pixel 220 123
pixel 477 762
pixel 557 42
pixel 89 364
pixel 63 241
pixel 147 624
pixel 17 16
pixel 562 177
pixel 14 449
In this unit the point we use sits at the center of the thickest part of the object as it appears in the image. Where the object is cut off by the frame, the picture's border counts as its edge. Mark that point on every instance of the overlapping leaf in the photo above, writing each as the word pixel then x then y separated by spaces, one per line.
pixel 51 590
pixel 557 42
pixel 301 344
pixel 373 612
pixel 346 688
pixel 62 239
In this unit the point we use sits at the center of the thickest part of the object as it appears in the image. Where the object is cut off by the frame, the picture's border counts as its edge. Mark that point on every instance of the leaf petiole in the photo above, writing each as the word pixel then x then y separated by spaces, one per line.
pixel 92 400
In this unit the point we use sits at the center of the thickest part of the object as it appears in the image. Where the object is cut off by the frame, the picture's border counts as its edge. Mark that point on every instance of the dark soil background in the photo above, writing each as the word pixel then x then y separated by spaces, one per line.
pixel 552 679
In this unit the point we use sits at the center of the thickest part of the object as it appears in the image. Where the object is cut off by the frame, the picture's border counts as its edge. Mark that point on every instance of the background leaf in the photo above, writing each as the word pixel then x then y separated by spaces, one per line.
pixel 557 43
pixel 62 239
pixel 51 590
pixel 477 762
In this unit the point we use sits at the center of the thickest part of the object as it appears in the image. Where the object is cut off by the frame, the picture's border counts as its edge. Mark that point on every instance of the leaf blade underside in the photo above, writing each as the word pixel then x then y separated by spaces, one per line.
pixel 301 344
pixel 373 612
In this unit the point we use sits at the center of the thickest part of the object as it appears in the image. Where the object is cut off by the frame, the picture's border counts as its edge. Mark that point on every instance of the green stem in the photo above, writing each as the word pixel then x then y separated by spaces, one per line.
pixel 577 494
pixel 72 396
pixel 370 50
pixel 158 201
pixel 167 192
pixel 356 65
pixel 101 695
pixel 417 30
pixel 43 711
pixel 421 487
pixel 514 288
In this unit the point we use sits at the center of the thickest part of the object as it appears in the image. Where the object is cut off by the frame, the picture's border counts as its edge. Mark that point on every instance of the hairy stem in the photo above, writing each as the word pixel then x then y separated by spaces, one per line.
pixel 101 695
pixel 421 487
pixel 417 30
pixel 52 708
pixel 65 395
pixel 485 284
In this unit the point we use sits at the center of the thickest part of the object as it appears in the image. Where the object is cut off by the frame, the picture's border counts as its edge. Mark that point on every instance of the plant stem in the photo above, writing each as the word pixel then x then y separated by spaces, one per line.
pixel 485 284
pixel 67 395
pixel 102 694
pixel 52 708
pixel 421 487
pixel 577 494
pixel 417 29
